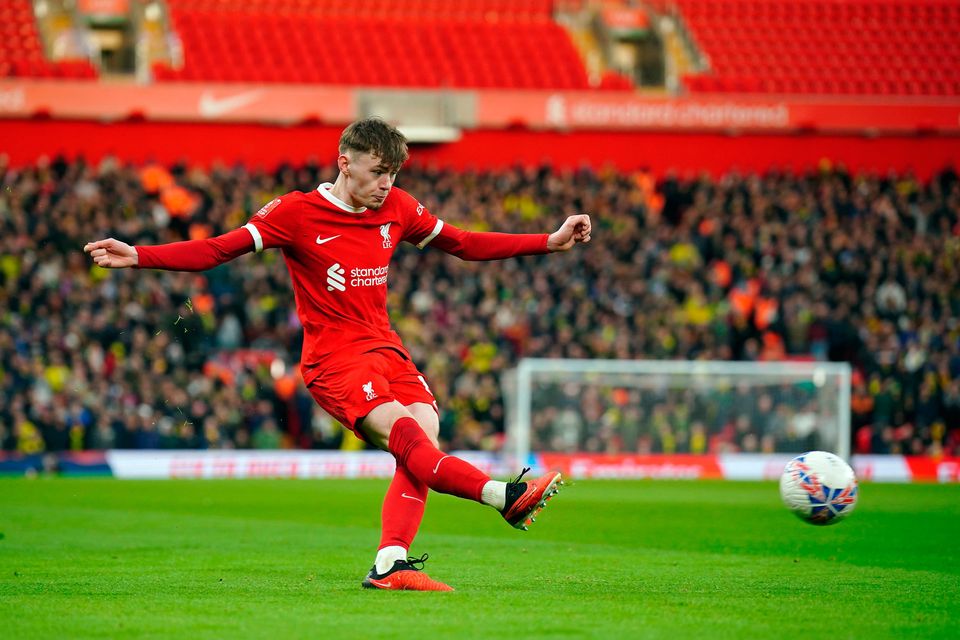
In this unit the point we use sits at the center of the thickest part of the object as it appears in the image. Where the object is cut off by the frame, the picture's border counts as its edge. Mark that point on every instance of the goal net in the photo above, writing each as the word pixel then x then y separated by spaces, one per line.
pixel 677 407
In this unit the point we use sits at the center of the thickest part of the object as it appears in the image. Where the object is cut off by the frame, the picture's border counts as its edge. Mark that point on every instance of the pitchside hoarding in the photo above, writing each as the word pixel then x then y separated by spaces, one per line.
pixel 377 464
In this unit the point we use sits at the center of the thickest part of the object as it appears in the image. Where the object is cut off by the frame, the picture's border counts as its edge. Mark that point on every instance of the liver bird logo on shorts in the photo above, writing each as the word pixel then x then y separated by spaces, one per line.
pixel 385 232
pixel 368 389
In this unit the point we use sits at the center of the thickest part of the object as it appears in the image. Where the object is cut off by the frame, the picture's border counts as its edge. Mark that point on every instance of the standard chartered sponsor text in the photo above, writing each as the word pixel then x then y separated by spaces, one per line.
pixel 772 115
pixel 368 277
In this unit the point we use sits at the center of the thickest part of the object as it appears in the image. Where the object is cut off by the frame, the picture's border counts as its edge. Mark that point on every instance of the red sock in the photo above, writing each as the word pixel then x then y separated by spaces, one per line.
pixel 402 509
pixel 439 471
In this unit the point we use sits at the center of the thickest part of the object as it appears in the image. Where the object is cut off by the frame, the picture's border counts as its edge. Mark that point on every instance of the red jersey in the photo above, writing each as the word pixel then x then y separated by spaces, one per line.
pixel 339 260
pixel 338 257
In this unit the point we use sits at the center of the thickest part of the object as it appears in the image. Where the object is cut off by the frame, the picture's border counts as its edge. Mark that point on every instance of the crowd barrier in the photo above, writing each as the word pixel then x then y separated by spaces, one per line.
pixel 375 464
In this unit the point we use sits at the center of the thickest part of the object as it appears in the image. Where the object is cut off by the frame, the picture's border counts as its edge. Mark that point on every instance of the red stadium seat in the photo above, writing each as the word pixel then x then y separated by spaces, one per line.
pixel 21 52
pixel 872 47
pixel 429 43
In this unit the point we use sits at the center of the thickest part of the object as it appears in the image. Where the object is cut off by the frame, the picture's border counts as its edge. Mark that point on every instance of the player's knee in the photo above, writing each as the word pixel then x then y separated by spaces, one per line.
pixel 432 429
pixel 426 417
pixel 378 424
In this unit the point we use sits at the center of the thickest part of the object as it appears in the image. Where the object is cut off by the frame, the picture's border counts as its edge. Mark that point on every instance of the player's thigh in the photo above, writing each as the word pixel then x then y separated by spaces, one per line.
pixel 407 388
pixel 377 424
pixel 349 391
pixel 410 388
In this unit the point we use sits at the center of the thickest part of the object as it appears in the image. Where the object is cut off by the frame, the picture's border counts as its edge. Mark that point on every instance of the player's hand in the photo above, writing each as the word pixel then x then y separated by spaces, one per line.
pixel 112 254
pixel 574 229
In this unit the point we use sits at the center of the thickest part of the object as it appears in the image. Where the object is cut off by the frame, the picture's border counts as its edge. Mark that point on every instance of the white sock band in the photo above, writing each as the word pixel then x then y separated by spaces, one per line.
pixel 494 494
pixel 386 557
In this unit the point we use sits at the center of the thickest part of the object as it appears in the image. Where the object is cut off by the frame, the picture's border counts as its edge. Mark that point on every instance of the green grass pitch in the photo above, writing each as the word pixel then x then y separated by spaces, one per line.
pixel 103 558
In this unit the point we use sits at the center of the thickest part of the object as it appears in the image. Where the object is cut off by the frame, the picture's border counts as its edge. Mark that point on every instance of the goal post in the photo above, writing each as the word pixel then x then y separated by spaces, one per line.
pixel 676 406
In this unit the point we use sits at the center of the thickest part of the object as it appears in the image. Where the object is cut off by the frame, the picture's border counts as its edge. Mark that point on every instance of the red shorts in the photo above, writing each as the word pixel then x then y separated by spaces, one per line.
pixel 350 390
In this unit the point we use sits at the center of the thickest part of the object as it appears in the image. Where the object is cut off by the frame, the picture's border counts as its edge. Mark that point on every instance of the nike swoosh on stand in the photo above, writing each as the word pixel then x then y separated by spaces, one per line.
pixel 322 240
pixel 212 107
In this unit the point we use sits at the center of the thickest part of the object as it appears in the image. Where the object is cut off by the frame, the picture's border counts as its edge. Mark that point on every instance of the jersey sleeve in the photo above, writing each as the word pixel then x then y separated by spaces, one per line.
pixel 420 226
pixel 194 255
pixel 276 224
pixel 485 245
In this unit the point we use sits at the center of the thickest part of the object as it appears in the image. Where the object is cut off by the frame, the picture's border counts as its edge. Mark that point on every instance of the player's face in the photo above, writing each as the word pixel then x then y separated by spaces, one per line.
pixel 369 180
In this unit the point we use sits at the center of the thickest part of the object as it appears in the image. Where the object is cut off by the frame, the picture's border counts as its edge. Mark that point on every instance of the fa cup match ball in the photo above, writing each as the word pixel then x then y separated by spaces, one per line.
pixel 819 487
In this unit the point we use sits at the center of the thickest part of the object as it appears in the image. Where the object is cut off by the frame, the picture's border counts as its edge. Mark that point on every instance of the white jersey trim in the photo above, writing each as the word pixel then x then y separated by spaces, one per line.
pixel 324 190
pixel 257 238
pixel 434 234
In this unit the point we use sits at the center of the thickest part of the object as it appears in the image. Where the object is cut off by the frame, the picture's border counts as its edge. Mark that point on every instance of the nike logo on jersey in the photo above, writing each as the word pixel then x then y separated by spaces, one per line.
pixel 404 495
pixel 436 468
pixel 213 107
pixel 325 240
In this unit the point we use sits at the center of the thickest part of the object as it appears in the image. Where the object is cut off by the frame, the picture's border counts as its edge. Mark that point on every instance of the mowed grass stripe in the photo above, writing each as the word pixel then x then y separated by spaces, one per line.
pixel 102 558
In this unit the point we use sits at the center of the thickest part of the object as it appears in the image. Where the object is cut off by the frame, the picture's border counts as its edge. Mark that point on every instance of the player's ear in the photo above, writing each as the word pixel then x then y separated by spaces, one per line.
pixel 343 164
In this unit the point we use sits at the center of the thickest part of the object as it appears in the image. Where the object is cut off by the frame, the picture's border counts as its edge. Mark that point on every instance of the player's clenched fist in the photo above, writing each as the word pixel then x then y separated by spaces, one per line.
pixel 111 253
pixel 574 229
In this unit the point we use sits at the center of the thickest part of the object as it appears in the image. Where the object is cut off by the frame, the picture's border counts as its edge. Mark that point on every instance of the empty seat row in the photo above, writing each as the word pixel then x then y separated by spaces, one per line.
pixel 402 52
pixel 871 47
pixel 63 69
pixel 486 10
pixel 21 52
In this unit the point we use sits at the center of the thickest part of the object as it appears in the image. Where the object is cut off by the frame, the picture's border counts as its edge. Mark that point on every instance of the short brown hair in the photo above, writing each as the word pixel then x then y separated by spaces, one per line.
pixel 376 137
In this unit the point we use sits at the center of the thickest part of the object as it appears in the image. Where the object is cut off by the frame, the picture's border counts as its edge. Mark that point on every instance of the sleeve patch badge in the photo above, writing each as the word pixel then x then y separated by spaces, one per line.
pixel 267 208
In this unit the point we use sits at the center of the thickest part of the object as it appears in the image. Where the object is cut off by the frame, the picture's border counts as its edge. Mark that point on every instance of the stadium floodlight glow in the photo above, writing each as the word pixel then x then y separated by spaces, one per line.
pixel 789 407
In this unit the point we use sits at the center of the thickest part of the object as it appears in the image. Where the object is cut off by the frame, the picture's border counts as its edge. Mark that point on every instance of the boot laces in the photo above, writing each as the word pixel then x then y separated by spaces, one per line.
pixel 519 477
pixel 417 561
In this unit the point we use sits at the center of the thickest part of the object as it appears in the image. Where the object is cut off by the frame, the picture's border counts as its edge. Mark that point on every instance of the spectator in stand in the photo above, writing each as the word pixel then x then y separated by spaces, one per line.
pixel 829 265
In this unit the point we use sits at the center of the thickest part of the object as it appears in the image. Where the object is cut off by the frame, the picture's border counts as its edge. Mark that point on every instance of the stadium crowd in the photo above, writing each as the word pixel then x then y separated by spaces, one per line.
pixel 825 266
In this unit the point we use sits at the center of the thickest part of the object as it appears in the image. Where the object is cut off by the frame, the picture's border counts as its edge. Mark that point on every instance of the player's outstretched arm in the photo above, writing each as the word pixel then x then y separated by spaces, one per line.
pixel 112 254
pixel 573 230
pixel 487 245
pixel 190 255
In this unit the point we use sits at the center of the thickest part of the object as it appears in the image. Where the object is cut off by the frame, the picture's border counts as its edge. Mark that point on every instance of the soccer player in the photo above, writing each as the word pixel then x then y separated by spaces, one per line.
pixel 337 241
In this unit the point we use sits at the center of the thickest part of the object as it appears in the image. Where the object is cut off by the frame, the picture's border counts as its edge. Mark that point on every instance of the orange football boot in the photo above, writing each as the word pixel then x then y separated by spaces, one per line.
pixel 526 499
pixel 404 576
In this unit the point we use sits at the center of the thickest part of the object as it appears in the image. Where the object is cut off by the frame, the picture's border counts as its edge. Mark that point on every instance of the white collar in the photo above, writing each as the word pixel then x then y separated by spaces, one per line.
pixel 324 190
